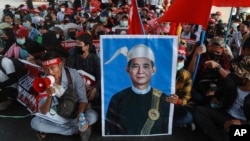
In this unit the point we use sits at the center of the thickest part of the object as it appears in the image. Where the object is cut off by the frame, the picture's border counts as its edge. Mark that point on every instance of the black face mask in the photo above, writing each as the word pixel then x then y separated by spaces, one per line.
pixel 78 50
pixel 214 57
pixel 72 35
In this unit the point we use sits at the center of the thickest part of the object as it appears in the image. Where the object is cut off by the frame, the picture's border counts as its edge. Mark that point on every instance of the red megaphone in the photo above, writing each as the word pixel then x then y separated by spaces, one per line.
pixel 41 84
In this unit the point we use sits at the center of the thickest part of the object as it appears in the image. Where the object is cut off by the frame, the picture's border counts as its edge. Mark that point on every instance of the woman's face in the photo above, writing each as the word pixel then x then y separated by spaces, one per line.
pixel 243 28
pixel 8 19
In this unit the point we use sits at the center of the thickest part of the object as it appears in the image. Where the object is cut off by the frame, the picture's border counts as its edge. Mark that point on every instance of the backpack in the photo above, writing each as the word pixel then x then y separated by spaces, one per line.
pixel 20 68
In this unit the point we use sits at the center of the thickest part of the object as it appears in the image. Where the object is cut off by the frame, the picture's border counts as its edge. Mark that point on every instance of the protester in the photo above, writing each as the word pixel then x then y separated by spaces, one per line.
pixel 8 38
pixel 18 49
pixel 84 59
pixel 33 32
pixel 51 43
pixel 207 80
pixel 8 82
pixel 182 115
pixel 238 38
pixel 53 65
pixel 234 96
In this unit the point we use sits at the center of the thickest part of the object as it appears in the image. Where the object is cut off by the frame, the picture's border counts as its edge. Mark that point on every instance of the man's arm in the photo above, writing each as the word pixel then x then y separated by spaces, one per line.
pixel 198 51
pixel 214 65
pixel 45 107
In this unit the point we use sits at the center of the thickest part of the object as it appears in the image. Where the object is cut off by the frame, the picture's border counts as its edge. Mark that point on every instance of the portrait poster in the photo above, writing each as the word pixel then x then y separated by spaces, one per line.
pixel 137 117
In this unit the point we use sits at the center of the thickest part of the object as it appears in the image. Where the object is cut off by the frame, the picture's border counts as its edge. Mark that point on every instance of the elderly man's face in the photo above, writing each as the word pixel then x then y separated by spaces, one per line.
pixel 141 71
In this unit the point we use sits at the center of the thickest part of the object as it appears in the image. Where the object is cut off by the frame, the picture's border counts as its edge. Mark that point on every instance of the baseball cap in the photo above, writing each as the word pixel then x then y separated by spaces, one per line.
pixel 217 41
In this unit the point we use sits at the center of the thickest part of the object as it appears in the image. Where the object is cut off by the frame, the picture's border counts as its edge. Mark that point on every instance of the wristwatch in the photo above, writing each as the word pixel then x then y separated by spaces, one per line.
pixel 218 67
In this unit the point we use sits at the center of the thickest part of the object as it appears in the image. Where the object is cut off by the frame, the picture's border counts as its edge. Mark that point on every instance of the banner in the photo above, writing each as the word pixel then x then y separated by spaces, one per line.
pixel 27 96
pixel 96 43
pixel 144 64
pixel 68 44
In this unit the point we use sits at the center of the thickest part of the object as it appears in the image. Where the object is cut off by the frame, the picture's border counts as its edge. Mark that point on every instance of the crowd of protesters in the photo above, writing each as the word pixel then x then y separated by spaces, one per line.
pixel 27 32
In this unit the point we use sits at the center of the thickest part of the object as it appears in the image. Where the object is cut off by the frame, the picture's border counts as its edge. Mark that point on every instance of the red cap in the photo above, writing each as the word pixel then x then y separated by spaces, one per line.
pixel 80 33
pixel 182 52
pixel 22 33
pixel 212 20
pixel 44 6
pixel 94 10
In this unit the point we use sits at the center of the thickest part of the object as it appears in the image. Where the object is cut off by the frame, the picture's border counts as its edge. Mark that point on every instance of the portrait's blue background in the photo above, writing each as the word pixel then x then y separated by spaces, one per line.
pixel 115 77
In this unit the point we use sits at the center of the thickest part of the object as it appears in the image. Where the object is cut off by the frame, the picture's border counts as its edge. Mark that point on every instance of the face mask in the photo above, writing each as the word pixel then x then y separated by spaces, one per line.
pixel 110 14
pixel 124 23
pixel 62 9
pixel 157 11
pixel 57 36
pixel 180 65
pixel 72 35
pixel 91 25
pixel 102 19
pixel 20 41
pixel 26 25
pixel 78 50
pixel 31 15
pixel 214 56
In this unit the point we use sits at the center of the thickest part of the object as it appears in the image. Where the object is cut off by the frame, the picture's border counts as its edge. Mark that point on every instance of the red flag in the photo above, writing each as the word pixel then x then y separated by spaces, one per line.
pixel 188 11
pixel 173 28
pixel 231 3
pixel 135 23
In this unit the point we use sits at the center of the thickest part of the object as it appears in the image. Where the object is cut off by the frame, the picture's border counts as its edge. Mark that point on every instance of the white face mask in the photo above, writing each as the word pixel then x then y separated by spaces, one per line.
pixel 20 41
pixel 62 9
pixel 91 25
pixel 123 23
pixel 157 11
pixel 57 36
pixel 180 65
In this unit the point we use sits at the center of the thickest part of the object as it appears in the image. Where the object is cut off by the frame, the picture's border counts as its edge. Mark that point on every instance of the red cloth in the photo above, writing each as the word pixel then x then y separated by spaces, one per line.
pixel 135 24
pixel 173 28
pixel 188 11
pixel 231 3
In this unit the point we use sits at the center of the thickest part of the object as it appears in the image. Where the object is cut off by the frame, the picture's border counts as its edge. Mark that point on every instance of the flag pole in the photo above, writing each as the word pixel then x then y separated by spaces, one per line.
pixel 198 57
pixel 228 25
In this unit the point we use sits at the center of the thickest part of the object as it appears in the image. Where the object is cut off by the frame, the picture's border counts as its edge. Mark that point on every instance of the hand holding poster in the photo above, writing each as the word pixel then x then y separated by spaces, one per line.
pixel 149 63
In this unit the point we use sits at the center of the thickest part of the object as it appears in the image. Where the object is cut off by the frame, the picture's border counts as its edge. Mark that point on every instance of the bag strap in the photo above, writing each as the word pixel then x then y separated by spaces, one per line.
pixel 69 80
pixel 68 77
